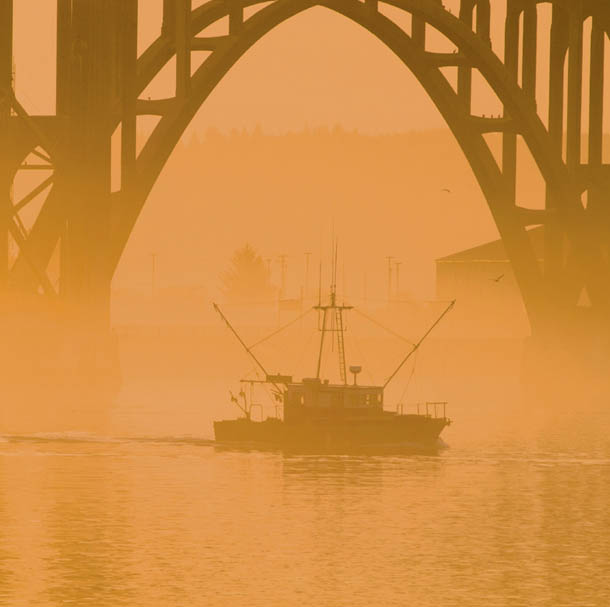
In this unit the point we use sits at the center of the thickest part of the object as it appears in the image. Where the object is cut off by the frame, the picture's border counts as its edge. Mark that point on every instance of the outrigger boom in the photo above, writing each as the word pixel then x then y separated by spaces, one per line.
pixel 268 377
pixel 416 346
pixel 273 379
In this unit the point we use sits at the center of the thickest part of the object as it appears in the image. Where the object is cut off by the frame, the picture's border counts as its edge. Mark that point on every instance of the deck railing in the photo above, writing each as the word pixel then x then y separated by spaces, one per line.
pixel 429 409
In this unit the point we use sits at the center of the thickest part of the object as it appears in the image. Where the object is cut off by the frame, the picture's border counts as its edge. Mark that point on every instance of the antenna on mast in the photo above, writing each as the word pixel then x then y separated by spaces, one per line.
pixel 320 286
pixel 333 286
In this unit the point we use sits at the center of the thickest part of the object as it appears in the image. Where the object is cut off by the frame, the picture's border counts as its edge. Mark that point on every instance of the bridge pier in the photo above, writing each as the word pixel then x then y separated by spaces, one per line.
pixel 568 356
pixel 54 376
pixel 60 340
pixel 560 370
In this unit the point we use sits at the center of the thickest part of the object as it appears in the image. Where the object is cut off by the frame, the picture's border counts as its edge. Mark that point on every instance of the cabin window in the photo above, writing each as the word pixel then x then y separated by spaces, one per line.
pixel 302 399
pixel 368 400
pixel 379 398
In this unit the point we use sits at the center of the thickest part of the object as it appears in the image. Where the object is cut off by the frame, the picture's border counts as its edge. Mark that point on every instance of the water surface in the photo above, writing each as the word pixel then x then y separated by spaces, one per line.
pixel 150 512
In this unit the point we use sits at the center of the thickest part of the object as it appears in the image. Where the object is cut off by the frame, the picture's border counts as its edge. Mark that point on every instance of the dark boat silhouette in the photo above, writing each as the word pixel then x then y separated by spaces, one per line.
pixel 320 415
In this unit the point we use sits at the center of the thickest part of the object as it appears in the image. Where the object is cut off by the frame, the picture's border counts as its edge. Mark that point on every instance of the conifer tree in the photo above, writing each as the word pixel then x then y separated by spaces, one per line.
pixel 247 279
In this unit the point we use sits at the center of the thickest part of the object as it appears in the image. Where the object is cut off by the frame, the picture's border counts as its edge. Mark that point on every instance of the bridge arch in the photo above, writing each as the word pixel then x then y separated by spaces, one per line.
pixel 474 52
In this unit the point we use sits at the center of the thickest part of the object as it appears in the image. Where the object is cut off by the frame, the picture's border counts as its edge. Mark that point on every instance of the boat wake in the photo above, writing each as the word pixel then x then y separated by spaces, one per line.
pixel 83 437
pixel 400 448
pixel 57 437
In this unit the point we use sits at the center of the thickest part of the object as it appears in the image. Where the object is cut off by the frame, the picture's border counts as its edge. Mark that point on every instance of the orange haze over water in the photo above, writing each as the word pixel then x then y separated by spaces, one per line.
pixel 319 130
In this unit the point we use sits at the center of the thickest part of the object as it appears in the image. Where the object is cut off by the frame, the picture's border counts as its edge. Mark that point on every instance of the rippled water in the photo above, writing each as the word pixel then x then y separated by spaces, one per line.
pixel 515 512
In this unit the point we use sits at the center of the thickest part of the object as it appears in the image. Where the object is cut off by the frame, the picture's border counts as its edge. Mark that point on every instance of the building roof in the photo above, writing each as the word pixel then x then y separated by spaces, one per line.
pixel 495 251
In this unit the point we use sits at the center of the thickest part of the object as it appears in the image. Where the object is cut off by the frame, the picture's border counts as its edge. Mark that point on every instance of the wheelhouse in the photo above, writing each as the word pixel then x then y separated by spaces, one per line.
pixel 316 399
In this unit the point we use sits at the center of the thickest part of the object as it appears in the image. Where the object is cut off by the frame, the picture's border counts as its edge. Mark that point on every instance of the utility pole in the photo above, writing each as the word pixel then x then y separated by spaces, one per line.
pixel 397 265
pixel 389 258
pixel 307 256
pixel 282 260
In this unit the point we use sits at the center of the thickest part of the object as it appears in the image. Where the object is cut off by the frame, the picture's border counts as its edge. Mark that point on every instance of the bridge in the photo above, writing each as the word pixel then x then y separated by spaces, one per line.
pixel 101 78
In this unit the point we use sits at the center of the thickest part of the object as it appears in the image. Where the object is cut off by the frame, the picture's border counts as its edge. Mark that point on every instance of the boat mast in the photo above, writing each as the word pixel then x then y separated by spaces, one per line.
pixel 320 307
pixel 339 328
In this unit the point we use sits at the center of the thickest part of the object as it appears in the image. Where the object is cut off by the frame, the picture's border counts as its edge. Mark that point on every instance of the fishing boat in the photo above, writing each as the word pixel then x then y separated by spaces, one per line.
pixel 318 414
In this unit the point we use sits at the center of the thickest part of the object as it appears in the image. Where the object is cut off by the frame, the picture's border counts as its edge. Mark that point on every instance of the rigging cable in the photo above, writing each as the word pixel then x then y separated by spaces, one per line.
pixel 383 327
pixel 305 347
pixel 295 320
pixel 402 396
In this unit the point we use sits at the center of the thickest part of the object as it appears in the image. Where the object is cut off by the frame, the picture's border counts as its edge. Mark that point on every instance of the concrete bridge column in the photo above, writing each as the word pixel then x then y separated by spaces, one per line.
pixel 88 80
pixel 85 90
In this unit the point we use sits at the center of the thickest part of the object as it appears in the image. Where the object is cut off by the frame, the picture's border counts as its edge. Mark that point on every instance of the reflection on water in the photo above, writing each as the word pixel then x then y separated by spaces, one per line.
pixel 515 512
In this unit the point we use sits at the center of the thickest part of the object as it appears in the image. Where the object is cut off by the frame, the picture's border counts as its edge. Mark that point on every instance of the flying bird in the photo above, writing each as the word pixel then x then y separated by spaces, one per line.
pixel 498 279
pixel 446 190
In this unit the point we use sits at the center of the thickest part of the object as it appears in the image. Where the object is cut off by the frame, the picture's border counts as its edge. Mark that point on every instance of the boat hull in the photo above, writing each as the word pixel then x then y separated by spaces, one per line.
pixel 390 430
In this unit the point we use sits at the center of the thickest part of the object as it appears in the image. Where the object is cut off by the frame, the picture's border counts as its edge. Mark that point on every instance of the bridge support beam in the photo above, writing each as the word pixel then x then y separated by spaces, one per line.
pixel 572 286
pixel 128 91
pixel 168 27
pixel 530 50
pixel 236 16
pixel 575 80
pixel 183 48
pixel 598 199
pixel 553 236
pixel 6 83
pixel 464 86
pixel 86 89
pixel 511 60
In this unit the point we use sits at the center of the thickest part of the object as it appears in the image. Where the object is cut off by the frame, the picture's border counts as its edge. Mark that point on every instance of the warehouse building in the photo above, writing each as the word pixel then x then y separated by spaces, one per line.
pixel 488 300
